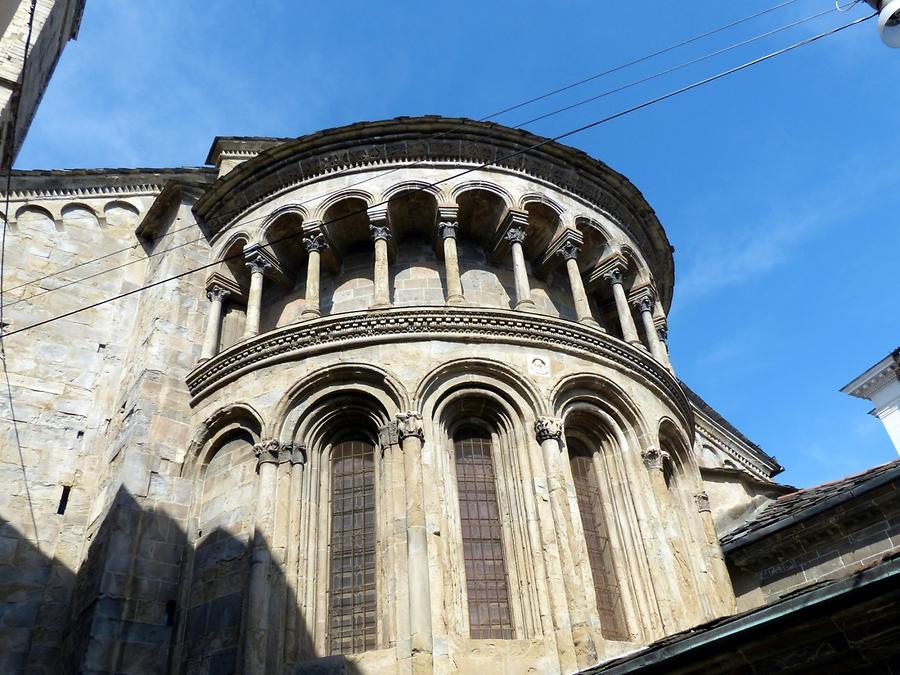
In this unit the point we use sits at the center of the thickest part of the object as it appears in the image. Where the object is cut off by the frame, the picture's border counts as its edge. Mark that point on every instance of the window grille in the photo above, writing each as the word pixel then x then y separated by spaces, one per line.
pixel 485 569
pixel 596 536
pixel 352 593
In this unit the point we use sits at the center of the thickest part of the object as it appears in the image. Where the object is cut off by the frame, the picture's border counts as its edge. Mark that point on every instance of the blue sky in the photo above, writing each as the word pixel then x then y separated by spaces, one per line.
pixel 777 186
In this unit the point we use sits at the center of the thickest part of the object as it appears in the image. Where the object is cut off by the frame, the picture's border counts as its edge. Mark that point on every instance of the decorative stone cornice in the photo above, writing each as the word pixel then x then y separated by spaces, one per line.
pixel 547 428
pixel 410 424
pixel 405 324
pixel 655 459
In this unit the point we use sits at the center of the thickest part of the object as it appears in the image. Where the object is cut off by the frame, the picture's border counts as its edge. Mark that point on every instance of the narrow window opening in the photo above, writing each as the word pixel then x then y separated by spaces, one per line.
pixel 596 538
pixel 479 514
pixel 170 613
pixel 63 499
pixel 352 617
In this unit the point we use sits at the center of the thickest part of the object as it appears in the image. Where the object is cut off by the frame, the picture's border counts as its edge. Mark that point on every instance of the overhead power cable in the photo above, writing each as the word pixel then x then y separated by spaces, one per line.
pixel 486 118
pixel 658 99
pixel 609 92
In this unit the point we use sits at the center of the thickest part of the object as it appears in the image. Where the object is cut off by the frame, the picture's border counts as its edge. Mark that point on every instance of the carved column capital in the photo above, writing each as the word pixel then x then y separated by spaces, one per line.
pixel 655 459
pixel 410 424
pixel 379 232
pixel 388 435
pixel 644 303
pixel 547 428
pixel 258 264
pixel 702 500
pixel 267 452
pixel 569 250
pixel 663 333
pixel 315 242
pixel 295 453
pixel 217 293
pixel 447 229
pixel 615 274
pixel 515 235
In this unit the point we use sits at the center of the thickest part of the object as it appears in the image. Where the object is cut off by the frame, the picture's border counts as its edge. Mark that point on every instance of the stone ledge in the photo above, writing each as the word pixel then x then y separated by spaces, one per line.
pixel 459 324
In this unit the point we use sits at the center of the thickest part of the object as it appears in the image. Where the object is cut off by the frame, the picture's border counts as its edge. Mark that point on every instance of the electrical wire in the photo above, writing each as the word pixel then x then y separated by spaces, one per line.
pixel 629 85
pixel 14 120
pixel 486 118
pixel 567 134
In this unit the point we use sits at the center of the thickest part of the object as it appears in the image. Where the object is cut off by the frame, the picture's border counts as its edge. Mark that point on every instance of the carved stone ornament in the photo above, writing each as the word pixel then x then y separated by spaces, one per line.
pixel 546 428
pixel 515 235
pixel 655 459
pixel 643 304
pixel 295 453
pixel 217 294
pixel 409 424
pixel 447 229
pixel 379 232
pixel 615 275
pixel 702 500
pixel 569 250
pixel 663 333
pixel 315 242
pixel 388 435
pixel 258 265
pixel 267 452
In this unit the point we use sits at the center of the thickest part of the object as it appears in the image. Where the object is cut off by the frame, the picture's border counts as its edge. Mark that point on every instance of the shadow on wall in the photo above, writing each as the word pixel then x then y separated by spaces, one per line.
pixel 142 603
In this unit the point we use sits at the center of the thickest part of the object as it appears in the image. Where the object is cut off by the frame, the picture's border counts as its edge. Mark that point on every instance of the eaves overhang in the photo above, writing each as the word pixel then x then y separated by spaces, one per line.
pixel 281 164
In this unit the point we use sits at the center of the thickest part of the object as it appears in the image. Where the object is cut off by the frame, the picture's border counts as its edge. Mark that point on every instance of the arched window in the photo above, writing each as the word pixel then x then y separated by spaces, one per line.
pixel 596 537
pixel 485 566
pixel 352 604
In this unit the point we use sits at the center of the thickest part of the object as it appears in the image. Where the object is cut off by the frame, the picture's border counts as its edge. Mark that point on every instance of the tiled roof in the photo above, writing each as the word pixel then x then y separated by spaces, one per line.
pixel 656 653
pixel 806 503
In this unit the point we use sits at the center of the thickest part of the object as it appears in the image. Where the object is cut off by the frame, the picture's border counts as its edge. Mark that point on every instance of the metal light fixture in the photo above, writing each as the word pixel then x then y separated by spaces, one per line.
pixel 888 21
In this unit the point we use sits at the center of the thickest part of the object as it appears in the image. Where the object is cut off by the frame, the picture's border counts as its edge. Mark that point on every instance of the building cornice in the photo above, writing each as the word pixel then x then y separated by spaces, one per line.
pixel 343 331
pixel 434 140
pixel 875 378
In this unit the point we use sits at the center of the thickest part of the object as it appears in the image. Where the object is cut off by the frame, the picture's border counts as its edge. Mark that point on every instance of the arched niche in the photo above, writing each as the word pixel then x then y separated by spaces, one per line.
pixel 33 218
pixel 80 216
pixel 121 214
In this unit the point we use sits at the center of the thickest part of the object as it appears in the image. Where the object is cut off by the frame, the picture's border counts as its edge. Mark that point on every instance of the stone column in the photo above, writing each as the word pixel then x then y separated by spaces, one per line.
pixel 663 334
pixel 569 252
pixel 724 601
pixel 258 595
pixel 380 235
pixel 549 433
pixel 447 231
pixel 515 236
pixel 409 428
pixel 297 459
pixel 315 244
pixel 644 305
pixel 629 331
pixel 258 266
pixel 216 295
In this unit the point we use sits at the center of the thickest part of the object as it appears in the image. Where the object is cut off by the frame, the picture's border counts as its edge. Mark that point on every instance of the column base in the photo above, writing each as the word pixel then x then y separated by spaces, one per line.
pixel 308 314
pixel 203 359
pixel 381 305
pixel 455 300
pixel 638 344
pixel 525 306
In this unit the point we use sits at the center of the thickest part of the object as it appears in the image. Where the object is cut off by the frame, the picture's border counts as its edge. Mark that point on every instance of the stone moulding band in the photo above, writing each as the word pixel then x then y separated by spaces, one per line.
pixel 454 324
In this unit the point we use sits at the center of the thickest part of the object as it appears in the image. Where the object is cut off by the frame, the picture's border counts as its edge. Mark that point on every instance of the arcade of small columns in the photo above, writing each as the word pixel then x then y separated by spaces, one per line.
pixel 280 467
pixel 262 263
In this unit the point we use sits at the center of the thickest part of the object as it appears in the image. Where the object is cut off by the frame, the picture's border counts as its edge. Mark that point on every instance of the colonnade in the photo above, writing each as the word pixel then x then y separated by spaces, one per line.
pixel 262 264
